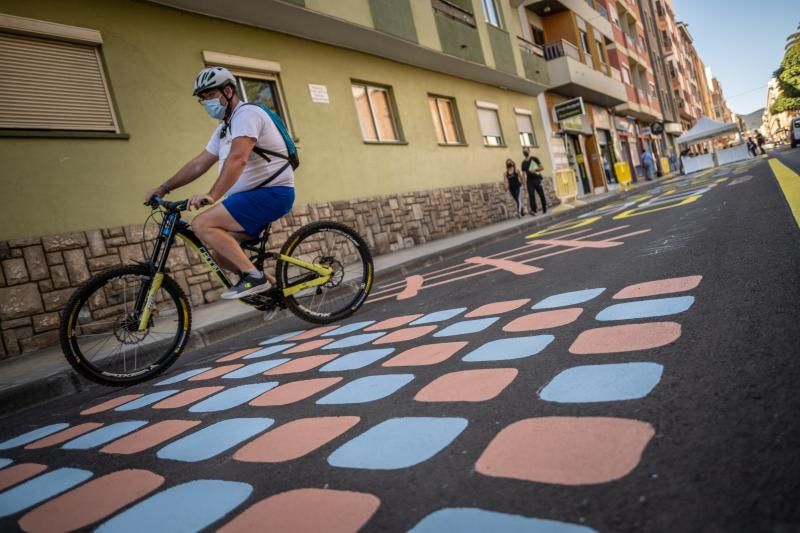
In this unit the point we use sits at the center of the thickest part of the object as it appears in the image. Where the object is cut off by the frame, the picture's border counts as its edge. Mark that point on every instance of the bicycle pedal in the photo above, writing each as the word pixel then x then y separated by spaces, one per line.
pixel 270 314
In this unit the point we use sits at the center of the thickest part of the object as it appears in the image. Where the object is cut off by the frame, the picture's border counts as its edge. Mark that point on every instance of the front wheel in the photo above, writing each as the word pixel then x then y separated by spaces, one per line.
pixel 338 247
pixel 99 329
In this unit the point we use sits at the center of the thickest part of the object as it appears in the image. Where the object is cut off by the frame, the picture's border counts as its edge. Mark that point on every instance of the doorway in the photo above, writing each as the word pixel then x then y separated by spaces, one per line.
pixel 580 164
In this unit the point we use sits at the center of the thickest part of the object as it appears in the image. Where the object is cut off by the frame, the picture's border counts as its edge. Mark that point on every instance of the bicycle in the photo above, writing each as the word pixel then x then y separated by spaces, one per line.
pixel 129 323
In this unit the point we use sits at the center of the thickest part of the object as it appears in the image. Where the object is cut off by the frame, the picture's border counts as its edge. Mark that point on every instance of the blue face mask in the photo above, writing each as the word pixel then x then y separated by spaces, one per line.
pixel 214 108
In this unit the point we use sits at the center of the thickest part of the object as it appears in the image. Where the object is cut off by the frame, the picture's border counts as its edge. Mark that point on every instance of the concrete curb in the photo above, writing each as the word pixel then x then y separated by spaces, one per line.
pixel 65 381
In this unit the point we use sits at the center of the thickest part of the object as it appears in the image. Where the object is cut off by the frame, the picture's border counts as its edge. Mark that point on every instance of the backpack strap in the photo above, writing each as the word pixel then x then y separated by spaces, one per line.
pixel 264 154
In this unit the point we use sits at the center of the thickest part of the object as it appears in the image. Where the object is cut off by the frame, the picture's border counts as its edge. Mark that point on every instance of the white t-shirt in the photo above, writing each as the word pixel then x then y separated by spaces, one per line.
pixel 250 121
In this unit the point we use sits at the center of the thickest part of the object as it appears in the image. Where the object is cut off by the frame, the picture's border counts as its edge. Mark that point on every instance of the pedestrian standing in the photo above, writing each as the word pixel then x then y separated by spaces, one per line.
pixel 649 164
pixel 514 186
pixel 532 168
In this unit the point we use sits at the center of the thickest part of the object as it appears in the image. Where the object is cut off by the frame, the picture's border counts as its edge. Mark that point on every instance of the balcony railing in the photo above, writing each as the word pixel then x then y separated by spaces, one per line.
pixel 561 48
pixel 528 47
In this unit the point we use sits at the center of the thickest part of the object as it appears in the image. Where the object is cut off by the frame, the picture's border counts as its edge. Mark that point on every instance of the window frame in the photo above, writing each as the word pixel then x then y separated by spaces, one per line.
pixel 62 33
pixel 526 113
pixel 488 106
pixel 495 10
pixel 393 113
pixel 461 141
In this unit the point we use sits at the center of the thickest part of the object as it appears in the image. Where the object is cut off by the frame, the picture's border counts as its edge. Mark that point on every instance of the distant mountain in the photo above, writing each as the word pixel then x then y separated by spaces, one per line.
pixel 752 120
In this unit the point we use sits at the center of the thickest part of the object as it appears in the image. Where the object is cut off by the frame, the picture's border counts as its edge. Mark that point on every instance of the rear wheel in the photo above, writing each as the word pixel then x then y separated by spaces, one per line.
pixel 336 246
pixel 99 327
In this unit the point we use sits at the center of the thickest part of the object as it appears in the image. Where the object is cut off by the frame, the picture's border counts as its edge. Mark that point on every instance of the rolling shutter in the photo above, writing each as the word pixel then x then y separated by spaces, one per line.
pixel 52 85
pixel 490 124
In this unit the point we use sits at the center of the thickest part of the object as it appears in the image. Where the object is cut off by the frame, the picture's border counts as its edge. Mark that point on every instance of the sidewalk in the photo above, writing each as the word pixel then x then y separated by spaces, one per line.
pixel 38 376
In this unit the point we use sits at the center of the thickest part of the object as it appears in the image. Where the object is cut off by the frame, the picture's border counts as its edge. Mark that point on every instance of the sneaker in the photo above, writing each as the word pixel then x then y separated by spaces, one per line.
pixel 247 285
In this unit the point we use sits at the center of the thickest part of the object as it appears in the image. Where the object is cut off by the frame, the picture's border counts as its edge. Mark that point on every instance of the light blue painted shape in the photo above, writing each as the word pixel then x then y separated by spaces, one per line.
pixel 269 350
pixel 214 439
pixel 603 383
pixel 146 400
pixel 183 376
pixel 568 298
pixel 349 328
pixel 438 316
pixel 5 462
pixel 472 520
pixel 466 327
pixel 281 338
pixel 188 507
pixel 646 308
pixel 367 389
pixel 254 368
pixel 40 488
pixel 30 436
pixel 354 340
pixel 102 435
pixel 355 360
pixel 512 348
pixel 398 443
pixel 232 397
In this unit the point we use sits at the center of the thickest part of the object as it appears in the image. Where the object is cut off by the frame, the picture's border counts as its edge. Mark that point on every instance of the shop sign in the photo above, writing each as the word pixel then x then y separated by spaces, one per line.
pixel 657 128
pixel 601 118
pixel 624 125
pixel 569 109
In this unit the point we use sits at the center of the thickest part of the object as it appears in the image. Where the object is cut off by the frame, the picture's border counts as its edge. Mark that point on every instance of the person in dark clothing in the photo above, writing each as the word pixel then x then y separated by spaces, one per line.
pixel 751 147
pixel 532 168
pixel 760 140
pixel 513 183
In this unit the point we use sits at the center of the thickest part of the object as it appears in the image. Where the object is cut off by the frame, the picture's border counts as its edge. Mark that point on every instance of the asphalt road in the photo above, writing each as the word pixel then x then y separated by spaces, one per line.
pixel 577 399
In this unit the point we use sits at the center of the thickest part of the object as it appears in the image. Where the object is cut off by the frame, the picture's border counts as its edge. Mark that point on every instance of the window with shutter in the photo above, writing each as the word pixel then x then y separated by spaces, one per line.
pixel 53 78
pixel 525 127
pixel 490 124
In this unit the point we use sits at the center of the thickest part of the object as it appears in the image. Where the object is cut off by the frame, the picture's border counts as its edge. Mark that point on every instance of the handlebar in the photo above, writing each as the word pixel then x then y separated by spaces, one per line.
pixel 157 201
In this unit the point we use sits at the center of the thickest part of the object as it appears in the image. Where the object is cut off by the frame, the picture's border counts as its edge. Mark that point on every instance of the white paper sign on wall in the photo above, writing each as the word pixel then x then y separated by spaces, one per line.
pixel 319 93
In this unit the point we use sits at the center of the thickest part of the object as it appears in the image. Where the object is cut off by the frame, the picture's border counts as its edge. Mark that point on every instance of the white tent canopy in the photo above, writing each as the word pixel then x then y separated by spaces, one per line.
pixel 706 129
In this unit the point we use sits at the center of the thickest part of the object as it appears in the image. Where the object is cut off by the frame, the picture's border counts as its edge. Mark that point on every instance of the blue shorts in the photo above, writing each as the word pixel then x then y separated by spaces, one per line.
pixel 256 208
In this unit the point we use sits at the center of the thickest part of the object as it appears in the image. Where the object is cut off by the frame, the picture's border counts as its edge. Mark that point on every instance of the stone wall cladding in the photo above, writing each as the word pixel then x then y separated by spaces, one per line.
pixel 37 275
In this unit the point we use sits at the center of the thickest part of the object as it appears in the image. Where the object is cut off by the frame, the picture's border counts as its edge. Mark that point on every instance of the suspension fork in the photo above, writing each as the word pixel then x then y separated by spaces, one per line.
pixel 146 299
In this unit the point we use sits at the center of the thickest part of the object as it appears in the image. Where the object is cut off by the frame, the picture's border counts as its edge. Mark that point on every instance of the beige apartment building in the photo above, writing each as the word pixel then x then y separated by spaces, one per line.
pixel 574 36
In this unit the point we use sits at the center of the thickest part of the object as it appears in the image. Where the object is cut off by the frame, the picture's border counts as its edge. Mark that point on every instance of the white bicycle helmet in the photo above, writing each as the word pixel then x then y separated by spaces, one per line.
pixel 212 78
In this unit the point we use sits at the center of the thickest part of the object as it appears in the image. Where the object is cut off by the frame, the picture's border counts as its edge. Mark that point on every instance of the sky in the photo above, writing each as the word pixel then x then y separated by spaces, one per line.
pixel 742 42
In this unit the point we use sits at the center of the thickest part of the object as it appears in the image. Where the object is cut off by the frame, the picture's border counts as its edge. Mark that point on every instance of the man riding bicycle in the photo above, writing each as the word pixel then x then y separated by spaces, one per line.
pixel 255 190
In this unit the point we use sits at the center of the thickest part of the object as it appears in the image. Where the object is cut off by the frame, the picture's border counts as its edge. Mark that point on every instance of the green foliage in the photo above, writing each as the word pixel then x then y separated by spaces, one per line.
pixel 785 103
pixel 788 76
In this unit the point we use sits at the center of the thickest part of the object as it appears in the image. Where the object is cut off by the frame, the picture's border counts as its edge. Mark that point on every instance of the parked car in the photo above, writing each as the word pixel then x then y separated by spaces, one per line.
pixel 794 131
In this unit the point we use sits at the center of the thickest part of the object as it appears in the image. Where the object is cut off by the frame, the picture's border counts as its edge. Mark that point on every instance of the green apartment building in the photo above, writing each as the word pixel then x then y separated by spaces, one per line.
pixel 404 112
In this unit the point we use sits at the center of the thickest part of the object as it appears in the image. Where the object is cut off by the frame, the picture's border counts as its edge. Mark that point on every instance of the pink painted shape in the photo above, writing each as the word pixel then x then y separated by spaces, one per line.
pixel 63 436
pixel 544 320
pixel 307 510
pixel 566 450
pixel 237 355
pixel 310 334
pixel 519 269
pixel 655 288
pixel 395 322
pixel 467 385
pixel 295 439
pixel 91 502
pixel 150 436
pixel 301 364
pixel 497 308
pixel 626 338
pixel 186 397
pixel 293 392
pixel 427 354
pixel 579 244
pixel 110 404
pixel 405 334
pixel 11 475
pixel 412 288
pixel 215 372
pixel 308 346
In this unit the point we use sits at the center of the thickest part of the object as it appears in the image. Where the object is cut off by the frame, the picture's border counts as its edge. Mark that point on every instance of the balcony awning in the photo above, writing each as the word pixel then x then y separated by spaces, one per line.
pixel 706 129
